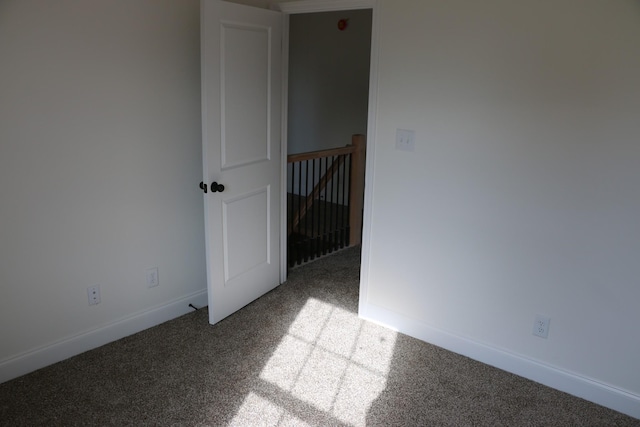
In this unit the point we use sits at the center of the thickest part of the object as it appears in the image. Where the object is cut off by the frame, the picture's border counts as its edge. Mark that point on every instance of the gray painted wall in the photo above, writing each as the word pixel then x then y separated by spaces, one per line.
pixel 328 79
pixel 523 193
pixel 100 158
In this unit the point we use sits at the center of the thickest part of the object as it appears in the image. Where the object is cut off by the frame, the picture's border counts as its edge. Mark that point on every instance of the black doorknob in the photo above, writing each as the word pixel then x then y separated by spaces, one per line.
pixel 203 186
pixel 215 187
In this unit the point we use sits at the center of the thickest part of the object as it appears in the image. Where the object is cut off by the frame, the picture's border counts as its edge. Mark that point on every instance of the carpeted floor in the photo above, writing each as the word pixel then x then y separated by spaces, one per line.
pixel 297 356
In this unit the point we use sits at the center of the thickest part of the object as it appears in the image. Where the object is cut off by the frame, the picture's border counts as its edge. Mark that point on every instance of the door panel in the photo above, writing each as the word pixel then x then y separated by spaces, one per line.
pixel 241 122
pixel 245 76
pixel 247 214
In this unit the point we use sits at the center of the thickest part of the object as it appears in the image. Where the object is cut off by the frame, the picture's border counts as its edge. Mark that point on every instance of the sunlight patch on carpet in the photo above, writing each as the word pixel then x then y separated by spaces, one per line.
pixel 329 359
pixel 258 411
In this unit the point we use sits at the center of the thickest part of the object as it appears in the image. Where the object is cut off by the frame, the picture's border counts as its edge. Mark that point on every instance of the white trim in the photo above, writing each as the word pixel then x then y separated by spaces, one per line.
pixel 551 376
pixel 370 158
pixel 284 148
pixel 311 6
pixel 112 331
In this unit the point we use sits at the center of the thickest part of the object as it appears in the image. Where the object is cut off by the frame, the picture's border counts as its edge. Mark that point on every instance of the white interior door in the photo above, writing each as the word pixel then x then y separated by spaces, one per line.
pixel 241 126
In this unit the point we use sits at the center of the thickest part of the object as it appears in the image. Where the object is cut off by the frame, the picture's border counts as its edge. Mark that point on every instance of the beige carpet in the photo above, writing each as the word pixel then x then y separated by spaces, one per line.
pixel 298 356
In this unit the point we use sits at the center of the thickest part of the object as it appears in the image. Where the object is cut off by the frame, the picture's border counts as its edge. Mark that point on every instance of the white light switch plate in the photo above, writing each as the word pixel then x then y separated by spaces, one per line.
pixel 405 140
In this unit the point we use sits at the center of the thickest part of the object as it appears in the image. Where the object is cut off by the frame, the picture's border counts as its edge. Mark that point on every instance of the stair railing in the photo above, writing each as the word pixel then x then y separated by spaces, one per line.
pixel 325 200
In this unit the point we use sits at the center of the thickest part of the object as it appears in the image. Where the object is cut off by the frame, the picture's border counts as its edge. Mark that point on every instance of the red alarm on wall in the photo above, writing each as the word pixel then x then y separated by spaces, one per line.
pixel 342 24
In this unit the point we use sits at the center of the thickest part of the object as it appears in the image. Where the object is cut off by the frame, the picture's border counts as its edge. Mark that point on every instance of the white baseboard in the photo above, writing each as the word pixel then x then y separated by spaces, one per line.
pixel 71 346
pixel 568 382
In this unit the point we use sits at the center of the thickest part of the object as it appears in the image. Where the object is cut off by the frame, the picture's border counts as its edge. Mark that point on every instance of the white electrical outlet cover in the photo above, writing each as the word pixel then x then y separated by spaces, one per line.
pixel 541 326
pixel 152 277
pixel 93 293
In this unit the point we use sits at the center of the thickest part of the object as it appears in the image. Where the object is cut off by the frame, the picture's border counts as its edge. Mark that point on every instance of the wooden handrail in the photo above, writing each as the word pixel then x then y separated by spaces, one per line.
pixel 300 157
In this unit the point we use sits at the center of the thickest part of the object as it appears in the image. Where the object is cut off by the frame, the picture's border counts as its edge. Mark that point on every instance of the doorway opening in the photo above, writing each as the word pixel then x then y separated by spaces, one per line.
pixel 329 55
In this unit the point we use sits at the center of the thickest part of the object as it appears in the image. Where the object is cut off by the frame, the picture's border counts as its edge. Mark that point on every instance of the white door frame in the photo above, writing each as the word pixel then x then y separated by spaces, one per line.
pixel 311 6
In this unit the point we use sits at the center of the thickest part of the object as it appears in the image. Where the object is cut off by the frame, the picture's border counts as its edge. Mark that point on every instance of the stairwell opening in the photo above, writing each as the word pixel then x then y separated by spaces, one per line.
pixel 328 88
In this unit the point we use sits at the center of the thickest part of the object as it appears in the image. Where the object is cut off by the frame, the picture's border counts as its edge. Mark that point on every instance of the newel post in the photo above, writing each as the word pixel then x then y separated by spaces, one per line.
pixel 356 189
